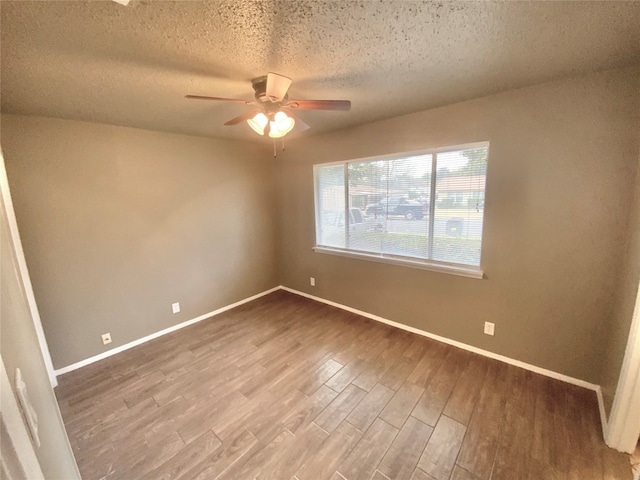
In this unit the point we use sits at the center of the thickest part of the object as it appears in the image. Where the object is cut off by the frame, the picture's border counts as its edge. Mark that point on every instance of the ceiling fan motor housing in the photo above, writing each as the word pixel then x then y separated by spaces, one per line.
pixel 260 87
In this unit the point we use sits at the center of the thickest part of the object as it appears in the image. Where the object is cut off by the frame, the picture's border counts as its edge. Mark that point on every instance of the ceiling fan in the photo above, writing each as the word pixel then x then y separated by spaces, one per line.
pixel 273 114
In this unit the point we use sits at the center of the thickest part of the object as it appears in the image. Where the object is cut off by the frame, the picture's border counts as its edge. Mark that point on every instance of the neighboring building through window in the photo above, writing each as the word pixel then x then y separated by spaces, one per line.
pixel 424 209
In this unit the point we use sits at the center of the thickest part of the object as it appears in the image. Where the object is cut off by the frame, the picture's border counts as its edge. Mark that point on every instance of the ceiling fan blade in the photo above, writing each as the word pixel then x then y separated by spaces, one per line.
pixel 344 105
pixel 200 97
pixel 242 118
pixel 277 86
pixel 300 125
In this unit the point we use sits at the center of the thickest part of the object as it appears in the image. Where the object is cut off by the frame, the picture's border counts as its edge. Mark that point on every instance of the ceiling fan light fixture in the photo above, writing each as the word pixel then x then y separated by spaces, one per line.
pixel 258 122
pixel 281 125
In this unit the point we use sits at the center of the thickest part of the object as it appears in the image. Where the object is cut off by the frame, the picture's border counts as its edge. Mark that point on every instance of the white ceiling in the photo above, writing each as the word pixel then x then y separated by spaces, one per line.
pixel 103 62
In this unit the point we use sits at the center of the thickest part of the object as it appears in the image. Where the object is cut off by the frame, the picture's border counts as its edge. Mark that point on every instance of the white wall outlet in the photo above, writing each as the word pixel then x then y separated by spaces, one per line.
pixel 489 328
pixel 312 281
pixel 106 338
pixel 175 307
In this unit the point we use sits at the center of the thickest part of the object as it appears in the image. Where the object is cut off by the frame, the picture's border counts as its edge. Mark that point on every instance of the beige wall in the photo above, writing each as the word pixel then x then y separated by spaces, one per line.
pixel 623 305
pixel 561 170
pixel 20 349
pixel 119 223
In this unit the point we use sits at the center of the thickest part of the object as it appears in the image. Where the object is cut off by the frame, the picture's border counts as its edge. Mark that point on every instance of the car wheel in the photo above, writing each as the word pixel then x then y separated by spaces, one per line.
pixel 409 215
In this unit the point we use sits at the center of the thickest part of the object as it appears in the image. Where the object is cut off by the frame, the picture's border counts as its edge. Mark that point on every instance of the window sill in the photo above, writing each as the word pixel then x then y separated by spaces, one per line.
pixel 470 272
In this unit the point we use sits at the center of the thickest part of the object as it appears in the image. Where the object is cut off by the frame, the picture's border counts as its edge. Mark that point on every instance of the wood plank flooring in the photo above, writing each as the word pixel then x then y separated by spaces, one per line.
pixel 288 388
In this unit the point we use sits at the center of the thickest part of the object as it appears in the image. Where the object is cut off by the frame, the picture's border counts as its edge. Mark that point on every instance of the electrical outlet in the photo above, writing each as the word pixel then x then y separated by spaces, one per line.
pixel 489 328
pixel 312 281
pixel 106 338
pixel 175 307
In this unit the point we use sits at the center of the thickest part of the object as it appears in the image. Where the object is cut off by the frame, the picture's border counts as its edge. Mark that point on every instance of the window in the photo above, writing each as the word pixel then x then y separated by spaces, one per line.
pixel 422 209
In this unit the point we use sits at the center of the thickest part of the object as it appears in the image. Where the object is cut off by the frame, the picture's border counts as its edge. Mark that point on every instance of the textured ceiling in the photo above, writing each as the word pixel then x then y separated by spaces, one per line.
pixel 103 62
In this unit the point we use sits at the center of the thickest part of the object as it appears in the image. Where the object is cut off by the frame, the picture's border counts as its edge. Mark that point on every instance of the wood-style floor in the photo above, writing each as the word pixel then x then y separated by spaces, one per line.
pixel 285 387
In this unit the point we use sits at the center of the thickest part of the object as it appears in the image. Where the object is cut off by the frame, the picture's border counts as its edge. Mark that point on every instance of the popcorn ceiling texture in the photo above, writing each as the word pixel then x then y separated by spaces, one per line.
pixel 102 62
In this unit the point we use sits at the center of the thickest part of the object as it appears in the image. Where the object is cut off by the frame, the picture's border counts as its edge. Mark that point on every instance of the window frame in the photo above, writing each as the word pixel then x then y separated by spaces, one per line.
pixel 465 270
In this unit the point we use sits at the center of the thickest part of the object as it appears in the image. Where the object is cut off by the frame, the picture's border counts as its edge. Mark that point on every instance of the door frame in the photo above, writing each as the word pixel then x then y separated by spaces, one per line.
pixel 23 272
pixel 623 427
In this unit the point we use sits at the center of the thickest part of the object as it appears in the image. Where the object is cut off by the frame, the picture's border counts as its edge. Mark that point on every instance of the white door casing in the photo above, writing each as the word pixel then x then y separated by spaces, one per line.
pixel 23 272
pixel 624 422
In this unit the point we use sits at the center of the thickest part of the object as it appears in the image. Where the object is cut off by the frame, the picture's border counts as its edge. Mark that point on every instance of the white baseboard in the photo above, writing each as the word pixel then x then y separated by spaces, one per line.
pixel 142 340
pixel 603 412
pixel 470 348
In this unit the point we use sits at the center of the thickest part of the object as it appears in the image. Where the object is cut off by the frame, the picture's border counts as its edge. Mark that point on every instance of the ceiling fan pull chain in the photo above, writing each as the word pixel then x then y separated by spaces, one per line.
pixel 275 151
pixel 283 144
